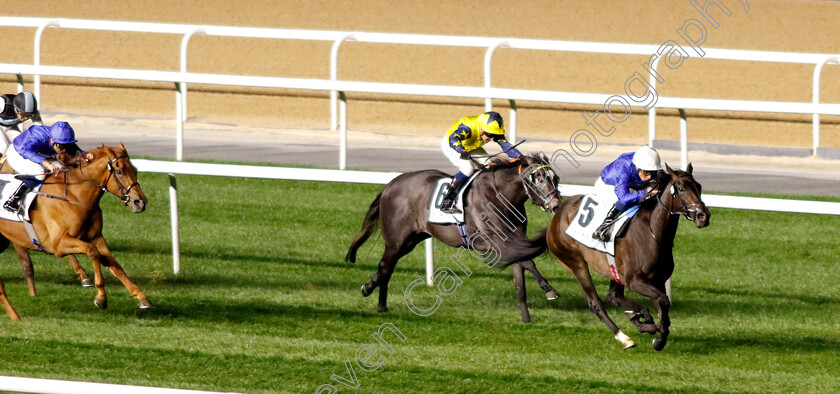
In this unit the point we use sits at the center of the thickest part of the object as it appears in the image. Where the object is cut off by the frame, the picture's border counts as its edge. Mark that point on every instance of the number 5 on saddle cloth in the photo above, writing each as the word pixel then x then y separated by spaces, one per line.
pixel 591 213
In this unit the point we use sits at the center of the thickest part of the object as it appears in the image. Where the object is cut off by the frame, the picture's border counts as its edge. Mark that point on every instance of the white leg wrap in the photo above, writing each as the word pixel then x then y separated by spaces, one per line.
pixel 625 340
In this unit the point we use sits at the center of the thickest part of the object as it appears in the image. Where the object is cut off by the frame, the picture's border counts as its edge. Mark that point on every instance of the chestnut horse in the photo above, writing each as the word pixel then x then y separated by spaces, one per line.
pixel 402 208
pixel 68 220
pixel 643 254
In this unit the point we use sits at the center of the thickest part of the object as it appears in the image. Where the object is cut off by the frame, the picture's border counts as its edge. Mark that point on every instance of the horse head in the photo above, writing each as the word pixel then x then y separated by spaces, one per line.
pixel 680 194
pixel 112 171
pixel 540 181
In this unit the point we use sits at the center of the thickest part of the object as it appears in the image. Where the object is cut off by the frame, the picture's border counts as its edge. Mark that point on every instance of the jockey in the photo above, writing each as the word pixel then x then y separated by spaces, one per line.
pixel 626 177
pixel 33 152
pixel 16 109
pixel 465 137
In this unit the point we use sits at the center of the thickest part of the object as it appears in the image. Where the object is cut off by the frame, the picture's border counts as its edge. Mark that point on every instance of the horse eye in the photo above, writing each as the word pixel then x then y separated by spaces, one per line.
pixel 119 172
pixel 682 189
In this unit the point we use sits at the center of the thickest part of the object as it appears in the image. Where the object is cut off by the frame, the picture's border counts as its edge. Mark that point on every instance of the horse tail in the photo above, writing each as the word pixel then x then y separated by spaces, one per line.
pixel 527 249
pixel 368 225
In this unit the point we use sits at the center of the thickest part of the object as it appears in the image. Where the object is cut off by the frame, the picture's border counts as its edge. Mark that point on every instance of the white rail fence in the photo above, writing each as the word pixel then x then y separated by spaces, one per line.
pixel 53 386
pixel 490 43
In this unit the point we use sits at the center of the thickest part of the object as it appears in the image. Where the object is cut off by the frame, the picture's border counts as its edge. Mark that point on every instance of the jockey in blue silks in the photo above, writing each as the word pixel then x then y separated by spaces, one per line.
pixel 33 152
pixel 627 178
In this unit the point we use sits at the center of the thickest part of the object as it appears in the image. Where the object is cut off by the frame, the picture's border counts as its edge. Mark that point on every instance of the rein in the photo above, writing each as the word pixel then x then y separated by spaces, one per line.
pixel 123 196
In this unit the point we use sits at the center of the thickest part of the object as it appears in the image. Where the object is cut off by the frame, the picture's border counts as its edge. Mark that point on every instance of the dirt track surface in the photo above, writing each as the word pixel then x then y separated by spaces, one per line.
pixel 801 26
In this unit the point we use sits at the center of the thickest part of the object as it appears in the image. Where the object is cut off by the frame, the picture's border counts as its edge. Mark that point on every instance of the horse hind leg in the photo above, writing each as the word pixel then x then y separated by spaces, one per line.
pixel 7 306
pixel 581 273
pixel 550 293
pixel 521 292
pixel 393 253
pixel 27 268
pixel 637 312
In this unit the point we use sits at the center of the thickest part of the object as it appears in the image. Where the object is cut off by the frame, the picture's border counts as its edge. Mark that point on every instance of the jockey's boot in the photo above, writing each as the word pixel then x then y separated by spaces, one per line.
pixel 601 232
pixel 13 204
pixel 448 204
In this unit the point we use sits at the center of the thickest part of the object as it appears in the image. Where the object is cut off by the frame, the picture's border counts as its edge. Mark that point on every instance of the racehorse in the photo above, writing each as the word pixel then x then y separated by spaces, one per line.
pixel 67 218
pixel 402 210
pixel 643 255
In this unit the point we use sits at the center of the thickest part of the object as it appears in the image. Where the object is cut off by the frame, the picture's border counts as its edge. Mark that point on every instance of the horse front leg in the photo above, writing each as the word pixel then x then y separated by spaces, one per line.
pixel 116 269
pixel 67 245
pixel 662 303
pixel 638 311
pixel 521 293
pixel 26 267
pixel 550 293
pixel 80 272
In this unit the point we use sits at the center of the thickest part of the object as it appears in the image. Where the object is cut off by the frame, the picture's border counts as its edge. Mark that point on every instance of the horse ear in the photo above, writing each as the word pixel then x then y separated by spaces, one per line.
pixel 670 171
pixel 689 169
pixel 123 147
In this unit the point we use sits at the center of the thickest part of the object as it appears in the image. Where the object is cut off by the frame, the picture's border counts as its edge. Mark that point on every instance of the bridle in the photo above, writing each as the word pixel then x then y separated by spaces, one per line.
pixel 545 200
pixel 689 211
pixel 123 196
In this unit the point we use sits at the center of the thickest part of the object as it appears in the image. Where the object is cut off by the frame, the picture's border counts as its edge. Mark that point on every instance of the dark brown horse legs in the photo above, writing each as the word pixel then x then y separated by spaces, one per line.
pixel 662 303
pixel 616 297
pixel 550 293
pixel 521 293
pixel 28 270
pixel 581 272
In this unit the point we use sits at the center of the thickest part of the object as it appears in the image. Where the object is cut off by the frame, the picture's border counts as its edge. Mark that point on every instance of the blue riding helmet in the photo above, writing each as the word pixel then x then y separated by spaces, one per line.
pixel 62 133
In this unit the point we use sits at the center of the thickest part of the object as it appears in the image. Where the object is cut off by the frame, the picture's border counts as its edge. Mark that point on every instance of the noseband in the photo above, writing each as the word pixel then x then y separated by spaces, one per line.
pixel 123 196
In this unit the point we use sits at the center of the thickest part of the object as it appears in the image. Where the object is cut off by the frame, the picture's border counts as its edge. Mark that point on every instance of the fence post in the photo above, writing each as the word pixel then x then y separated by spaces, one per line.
pixel 816 98
pixel 334 77
pixel 38 34
pixel 342 141
pixel 683 139
pixel 488 56
pixel 512 122
pixel 652 111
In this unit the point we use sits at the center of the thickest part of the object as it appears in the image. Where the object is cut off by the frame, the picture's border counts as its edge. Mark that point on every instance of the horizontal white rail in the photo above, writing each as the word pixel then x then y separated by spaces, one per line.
pixel 52 386
pixel 371 177
pixel 414 39
pixel 412 89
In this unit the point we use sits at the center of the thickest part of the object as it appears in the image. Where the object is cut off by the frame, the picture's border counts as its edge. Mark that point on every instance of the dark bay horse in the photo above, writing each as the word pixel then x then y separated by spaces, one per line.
pixel 68 220
pixel 643 254
pixel 402 210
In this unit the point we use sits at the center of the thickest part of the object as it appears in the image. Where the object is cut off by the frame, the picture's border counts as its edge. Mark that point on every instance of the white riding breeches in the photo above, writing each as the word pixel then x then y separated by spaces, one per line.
pixel 24 166
pixel 465 166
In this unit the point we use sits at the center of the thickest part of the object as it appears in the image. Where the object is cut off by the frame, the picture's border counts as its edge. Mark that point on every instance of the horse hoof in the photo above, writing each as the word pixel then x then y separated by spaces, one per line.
pixel 659 343
pixel 145 304
pixel 629 344
pixel 365 293
pixel 551 295
pixel 101 304
pixel 87 282
pixel 626 341
pixel 382 309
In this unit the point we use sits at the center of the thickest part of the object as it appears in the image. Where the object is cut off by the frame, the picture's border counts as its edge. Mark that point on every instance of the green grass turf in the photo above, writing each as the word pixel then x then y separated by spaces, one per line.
pixel 265 303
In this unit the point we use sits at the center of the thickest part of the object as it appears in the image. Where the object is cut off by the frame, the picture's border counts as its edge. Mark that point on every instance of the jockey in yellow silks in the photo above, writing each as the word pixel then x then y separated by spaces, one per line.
pixel 466 137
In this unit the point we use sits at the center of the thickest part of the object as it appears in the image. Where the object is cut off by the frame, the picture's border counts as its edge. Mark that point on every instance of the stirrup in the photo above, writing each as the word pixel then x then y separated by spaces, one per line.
pixel 12 206
pixel 451 208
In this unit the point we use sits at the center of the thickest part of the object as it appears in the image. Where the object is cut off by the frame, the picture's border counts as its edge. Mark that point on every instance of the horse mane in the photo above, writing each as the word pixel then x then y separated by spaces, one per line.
pixel 500 163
